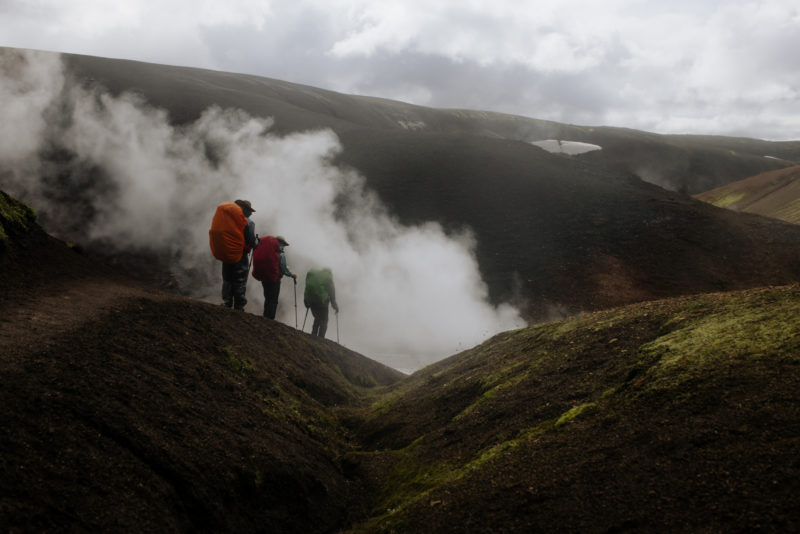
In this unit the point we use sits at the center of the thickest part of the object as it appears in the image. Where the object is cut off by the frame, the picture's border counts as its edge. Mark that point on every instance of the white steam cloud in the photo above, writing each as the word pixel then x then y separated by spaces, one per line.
pixel 408 295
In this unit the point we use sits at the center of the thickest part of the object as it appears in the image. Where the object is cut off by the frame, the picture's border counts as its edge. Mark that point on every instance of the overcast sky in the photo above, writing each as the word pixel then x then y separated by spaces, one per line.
pixel 728 67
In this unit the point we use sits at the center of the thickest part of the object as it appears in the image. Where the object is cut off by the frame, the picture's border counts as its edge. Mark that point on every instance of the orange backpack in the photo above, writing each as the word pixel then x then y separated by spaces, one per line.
pixel 226 235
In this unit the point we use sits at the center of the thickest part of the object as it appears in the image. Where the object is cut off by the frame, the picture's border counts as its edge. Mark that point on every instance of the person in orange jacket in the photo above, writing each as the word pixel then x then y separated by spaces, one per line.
pixel 234 275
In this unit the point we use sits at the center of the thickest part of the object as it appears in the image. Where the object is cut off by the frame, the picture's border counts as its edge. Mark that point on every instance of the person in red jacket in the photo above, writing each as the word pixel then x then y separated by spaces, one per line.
pixel 272 289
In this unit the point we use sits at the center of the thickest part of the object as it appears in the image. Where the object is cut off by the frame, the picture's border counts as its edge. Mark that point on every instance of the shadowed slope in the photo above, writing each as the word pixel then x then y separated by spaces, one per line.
pixel 676 415
pixel 554 234
pixel 128 409
pixel 563 236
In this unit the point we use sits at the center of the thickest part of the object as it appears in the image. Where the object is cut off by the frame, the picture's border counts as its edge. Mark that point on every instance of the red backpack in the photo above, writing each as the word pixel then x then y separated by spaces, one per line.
pixel 266 260
pixel 226 235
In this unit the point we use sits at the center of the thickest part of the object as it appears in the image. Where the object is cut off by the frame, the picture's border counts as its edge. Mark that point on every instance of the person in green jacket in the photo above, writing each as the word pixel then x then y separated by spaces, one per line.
pixel 319 292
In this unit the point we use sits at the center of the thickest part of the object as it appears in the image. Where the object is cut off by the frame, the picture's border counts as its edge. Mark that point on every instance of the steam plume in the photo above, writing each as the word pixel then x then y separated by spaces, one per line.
pixel 408 295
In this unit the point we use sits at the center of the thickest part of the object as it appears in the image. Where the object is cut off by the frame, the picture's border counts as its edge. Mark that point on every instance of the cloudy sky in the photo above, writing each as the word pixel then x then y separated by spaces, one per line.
pixel 726 67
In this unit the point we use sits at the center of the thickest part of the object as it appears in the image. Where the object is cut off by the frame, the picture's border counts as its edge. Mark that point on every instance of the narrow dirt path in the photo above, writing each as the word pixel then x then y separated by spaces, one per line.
pixel 28 324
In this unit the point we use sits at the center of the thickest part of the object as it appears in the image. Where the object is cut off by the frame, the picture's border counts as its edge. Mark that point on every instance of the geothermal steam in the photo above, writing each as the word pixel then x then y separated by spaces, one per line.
pixel 408 295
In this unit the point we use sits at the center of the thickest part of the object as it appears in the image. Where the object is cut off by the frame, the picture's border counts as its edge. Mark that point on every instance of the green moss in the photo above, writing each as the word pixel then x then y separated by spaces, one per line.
pixel 236 362
pixel 727 199
pixel 574 412
pixel 789 212
pixel 757 326
pixel 497 389
pixel 14 213
pixel 411 480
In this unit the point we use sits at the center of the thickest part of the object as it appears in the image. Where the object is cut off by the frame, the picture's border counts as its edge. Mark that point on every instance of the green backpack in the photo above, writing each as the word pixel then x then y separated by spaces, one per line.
pixel 317 283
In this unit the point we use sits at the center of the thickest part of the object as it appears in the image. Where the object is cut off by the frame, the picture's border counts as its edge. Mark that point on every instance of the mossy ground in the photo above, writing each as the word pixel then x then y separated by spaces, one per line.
pixel 14 216
pixel 558 427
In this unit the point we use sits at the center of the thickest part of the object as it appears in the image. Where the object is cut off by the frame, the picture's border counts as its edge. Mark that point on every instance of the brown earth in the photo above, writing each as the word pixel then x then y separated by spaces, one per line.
pixel 773 194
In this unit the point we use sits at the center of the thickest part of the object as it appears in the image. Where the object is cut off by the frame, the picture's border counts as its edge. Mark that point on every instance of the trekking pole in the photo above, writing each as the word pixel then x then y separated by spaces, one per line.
pixel 304 321
pixel 295 302
pixel 337 326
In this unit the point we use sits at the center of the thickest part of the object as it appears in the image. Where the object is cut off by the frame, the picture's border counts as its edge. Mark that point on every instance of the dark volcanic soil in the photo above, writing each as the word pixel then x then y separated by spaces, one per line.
pixel 125 409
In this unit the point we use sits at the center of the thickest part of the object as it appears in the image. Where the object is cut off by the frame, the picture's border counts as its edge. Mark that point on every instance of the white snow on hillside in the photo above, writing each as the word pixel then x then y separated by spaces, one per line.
pixel 570 148
pixel 413 125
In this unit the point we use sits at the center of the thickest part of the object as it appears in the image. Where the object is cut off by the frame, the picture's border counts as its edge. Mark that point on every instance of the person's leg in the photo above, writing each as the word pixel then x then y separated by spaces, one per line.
pixel 272 291
pixel 240 283
pixel 323 320
pixel 315 312
pixel 227 284
pixel 266 287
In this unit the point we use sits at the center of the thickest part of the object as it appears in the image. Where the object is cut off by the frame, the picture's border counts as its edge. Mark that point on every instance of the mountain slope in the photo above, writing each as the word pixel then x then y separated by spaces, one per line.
pixel 679 162
pixel 555 235
pixel 128 409
pixel 559 234
pixel 131 409
pixel 773 194
pixel 675 415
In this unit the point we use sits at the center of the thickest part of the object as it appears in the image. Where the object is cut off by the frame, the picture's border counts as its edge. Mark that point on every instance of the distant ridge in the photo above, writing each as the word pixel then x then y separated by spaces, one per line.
pixel 688 163
pixel 773 194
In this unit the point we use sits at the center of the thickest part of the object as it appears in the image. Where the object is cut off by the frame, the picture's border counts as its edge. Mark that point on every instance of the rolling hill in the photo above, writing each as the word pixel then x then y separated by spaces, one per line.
pixel 135 410
pixel 555 235
pixel 687 163
pixel 128 409
pixel 773 194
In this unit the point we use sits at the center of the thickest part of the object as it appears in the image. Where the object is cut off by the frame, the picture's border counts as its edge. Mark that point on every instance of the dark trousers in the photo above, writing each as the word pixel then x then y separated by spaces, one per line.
pixel 271 292
pixel 320 313
pixel 234 283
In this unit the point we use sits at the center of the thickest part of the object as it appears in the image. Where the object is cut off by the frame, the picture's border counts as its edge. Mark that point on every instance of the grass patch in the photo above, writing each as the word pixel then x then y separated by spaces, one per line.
pixel 238 364
pixel 14 214
pixel 789 212
pixel 574 412
pixel 755 326
pixel 726 199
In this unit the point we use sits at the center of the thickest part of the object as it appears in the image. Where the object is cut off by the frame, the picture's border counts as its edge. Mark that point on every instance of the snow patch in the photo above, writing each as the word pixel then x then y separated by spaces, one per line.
pixel 570 148
pixel 413 125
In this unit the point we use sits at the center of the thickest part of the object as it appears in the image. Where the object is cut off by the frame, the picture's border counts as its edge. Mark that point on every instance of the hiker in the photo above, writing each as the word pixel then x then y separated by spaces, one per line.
pixel 232 236
pixel 319 292
pixel 269 266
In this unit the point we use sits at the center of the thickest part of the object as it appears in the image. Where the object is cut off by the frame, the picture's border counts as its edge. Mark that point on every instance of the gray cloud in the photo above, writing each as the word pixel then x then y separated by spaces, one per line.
pixel 672 67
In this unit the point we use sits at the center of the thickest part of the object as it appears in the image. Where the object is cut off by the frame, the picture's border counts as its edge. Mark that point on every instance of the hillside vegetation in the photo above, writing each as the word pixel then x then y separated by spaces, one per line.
pixel 773 194
pixel 678 415
pixel 133 410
